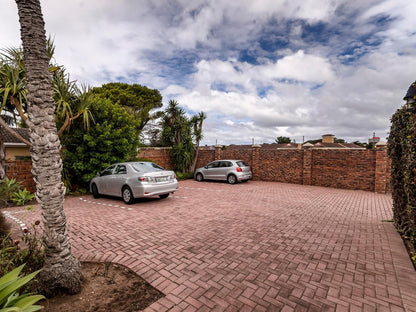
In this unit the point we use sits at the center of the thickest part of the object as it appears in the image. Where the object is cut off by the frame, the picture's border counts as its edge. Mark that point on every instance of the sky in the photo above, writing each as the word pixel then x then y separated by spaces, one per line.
pixel 258 69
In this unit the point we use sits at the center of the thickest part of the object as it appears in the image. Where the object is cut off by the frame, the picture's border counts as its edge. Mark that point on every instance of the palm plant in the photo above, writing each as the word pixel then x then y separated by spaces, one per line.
pixel 183 134
pixel 71 102
pixel 13 89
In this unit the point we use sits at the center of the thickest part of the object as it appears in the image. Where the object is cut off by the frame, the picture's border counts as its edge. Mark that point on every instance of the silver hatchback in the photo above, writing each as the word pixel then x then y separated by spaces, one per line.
pixel 229 170
pixel 132 180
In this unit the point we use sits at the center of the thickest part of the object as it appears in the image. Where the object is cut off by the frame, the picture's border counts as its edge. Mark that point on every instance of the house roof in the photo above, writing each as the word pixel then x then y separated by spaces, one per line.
pixel 336 145
pixel 274 146
pixel 9 138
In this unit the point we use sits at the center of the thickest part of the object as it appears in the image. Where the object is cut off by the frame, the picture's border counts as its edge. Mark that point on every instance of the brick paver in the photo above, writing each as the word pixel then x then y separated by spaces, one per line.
pixel 256 246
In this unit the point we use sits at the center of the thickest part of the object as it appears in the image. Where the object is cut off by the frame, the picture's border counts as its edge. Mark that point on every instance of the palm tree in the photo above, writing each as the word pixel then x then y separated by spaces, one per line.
pixel 196 123
pixel 182 134
pixel 62 271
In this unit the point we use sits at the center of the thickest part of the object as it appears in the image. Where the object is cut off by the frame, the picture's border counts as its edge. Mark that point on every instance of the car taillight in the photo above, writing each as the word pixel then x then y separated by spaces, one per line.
pixel 239 169
pixel 145 179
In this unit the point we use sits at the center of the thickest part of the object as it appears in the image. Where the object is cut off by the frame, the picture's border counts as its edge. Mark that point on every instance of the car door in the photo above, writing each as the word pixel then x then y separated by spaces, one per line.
pixel 104 180
pixel 117 180
pixel 210 171
pixel 223 169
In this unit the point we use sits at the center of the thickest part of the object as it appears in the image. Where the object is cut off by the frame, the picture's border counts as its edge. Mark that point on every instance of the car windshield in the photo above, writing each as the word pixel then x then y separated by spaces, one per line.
pixel 242 163
pixel 146 167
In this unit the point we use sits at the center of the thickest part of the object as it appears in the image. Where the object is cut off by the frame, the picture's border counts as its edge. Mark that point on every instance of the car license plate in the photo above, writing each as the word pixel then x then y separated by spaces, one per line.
pixel 161 179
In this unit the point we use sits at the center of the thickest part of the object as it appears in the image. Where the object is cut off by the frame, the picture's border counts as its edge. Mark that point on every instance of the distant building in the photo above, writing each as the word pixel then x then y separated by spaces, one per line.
pixel 13 148
pixel 374 140
pixel 328 142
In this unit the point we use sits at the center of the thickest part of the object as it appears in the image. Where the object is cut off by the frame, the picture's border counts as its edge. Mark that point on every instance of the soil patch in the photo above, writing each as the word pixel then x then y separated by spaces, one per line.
pixel 106 287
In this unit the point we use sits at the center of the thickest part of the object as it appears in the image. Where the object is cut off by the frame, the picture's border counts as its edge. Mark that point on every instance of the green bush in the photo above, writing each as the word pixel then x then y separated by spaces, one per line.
pixel 113 138
pixel 21 197
pixel 10 299
pixel 7 188
pixel 184 176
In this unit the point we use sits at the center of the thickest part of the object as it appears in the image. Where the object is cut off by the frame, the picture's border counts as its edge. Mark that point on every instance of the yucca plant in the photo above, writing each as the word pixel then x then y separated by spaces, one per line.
pixel 8 187
pixel 21 197
pixel 10 299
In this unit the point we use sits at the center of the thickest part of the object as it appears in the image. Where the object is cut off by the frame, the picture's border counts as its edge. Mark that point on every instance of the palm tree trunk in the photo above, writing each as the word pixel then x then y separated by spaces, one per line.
pixel 62 271
pixel 2 159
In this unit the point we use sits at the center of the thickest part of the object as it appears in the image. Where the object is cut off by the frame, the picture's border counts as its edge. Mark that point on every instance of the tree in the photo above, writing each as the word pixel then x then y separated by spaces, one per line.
pixel 182 134
pixel 282 140
pixel 62 271
pixel 136 99
pixel 112 138
pixel 72 102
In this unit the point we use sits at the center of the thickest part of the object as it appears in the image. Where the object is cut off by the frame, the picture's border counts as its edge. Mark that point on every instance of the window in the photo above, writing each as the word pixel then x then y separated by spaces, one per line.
pixel 108 171
pixel 214 164
pixel 121 169
pixel 22 158
pixel 146 167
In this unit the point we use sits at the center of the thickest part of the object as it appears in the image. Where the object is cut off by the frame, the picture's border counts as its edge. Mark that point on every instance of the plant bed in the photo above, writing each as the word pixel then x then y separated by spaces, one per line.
pixel 106 287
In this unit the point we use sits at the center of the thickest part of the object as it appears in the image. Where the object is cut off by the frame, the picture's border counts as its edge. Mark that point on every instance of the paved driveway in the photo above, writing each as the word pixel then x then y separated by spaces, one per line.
pixel 257 246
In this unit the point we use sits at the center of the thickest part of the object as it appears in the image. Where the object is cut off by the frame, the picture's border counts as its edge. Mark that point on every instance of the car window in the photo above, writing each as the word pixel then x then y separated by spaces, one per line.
pixel 146 167
pixel 242 163
pixel 108 171
pixel 214 164
pixel 121 169
pixel 226 164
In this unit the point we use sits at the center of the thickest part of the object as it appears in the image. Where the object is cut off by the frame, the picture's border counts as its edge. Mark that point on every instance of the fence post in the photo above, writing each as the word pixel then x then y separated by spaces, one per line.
pixel 380 179
pixel 217 152
pixel 307 166
pixel 255 161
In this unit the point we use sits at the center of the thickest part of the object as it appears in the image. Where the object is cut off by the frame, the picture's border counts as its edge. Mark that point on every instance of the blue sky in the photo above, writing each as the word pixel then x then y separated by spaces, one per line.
pixel 258 69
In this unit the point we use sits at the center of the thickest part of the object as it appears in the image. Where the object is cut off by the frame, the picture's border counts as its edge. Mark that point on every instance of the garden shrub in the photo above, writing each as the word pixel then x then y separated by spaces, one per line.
pixel 402 151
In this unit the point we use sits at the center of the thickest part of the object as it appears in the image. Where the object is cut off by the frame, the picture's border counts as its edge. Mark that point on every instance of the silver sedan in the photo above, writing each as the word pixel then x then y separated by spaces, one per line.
pixel 229 170
pixel 132 180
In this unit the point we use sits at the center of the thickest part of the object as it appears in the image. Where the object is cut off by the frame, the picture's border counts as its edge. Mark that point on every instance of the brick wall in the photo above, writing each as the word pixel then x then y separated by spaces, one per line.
pixel 367 170
pixel 279 165
pixel 160 155
pixel 348 169
pixel 21 171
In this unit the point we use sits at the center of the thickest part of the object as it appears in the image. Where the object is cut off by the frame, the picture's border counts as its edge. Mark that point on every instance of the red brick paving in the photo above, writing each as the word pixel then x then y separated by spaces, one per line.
pixel 256 246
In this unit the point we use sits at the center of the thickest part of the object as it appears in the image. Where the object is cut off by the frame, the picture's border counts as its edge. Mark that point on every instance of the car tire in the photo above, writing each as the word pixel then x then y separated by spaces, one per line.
pixel 163 196
pixel 95 191
pixel 127 195
pixel 199 177
pixel 232 179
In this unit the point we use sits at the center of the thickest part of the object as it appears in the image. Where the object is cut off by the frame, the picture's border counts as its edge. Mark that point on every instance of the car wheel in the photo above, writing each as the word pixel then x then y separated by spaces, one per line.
pixel 164 196
pixel 95 191
pixel 199 177
pixel 127 195
pixel 231 179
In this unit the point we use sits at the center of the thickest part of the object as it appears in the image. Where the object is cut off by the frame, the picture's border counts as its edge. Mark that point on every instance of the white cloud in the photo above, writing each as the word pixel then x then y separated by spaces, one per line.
pixel 302 67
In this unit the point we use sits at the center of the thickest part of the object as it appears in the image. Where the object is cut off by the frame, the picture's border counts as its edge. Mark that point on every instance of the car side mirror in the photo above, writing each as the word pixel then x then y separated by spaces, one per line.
pixel 206 167
pixel 98 174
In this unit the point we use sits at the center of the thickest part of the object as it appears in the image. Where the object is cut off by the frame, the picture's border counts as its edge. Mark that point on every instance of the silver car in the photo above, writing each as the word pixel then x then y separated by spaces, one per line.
pixel 132 180
pixel 228 170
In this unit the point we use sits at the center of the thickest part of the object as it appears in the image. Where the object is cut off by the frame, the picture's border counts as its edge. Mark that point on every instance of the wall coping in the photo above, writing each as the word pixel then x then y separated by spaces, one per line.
pixel 154 148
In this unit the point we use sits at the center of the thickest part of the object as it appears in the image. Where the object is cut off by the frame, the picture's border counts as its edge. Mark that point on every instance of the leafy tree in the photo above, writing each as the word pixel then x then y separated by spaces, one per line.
pixel 62 271
pixel 136 99
pixel 282 140
pixel 114 137
pixel 183 134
